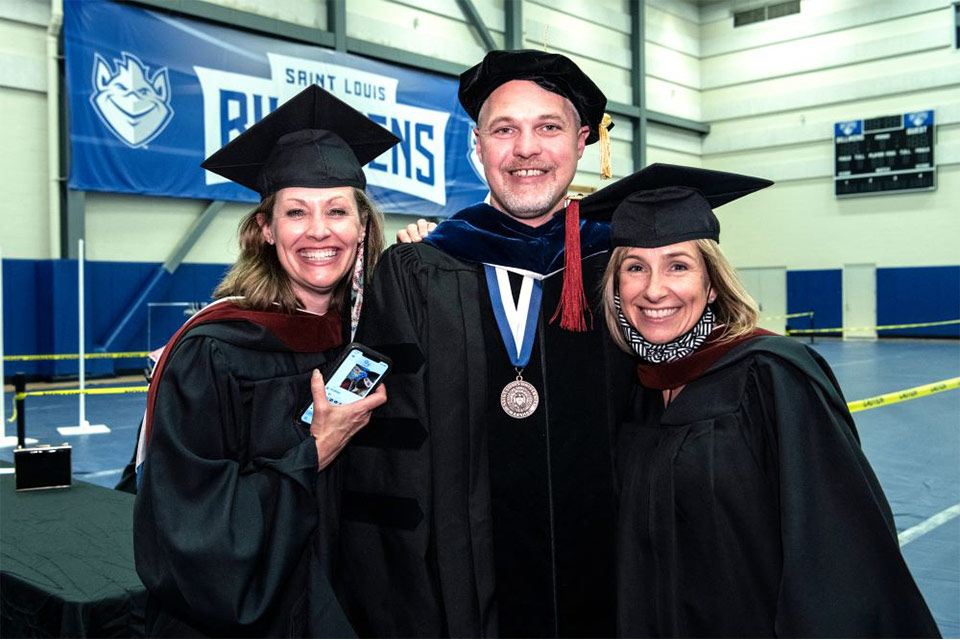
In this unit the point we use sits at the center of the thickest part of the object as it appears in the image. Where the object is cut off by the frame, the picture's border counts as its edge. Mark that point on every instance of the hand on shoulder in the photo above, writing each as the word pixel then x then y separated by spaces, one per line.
pixel 416 232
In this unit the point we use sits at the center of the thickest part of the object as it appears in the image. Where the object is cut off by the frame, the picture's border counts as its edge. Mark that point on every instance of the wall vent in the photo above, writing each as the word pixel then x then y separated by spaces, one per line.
pixel 956 24
pixel 781 9
pixel 766 12
pixel 749 16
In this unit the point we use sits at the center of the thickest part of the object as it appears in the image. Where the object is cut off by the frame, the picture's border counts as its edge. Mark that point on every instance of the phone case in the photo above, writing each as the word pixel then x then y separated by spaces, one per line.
pixel 306 415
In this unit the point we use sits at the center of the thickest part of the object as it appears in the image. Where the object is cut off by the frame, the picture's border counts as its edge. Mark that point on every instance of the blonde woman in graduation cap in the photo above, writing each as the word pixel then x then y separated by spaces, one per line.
pixel 235 512
pixel 747 508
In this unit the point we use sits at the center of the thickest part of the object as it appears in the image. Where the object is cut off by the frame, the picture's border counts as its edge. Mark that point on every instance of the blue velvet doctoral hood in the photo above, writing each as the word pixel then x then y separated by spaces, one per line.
pixel 483 234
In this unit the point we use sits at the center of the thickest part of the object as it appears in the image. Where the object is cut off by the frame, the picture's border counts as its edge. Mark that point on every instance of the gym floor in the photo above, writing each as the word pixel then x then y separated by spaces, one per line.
pixel 914 447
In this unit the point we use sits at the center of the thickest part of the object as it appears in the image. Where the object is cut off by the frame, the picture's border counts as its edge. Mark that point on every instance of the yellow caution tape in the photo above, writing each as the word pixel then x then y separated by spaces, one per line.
pixel 856 405
pixel 906 394
pixel 880 328
pixel 86 356
pixel 72 392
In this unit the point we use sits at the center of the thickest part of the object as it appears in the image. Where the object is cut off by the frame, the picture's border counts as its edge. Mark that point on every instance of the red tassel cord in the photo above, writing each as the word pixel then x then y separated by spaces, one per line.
pixel 573 301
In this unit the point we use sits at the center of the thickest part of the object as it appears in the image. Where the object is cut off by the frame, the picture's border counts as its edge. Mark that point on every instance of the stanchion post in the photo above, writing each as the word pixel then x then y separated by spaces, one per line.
pixel 3 406
pixel 5 440
pixel 19 388
pixel 812 327
pixel 21 439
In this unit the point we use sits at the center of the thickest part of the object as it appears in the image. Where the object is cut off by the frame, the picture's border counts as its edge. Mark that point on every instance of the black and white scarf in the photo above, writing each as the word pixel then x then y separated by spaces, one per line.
pixel 678 348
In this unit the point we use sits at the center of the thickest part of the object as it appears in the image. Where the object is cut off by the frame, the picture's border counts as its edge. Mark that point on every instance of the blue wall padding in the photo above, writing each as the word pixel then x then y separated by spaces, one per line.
pixel 137 288
pixel 919 294
pixel 40 310
pixel 25 328
pixel 40 306
pixel 818 290
pixel 196 281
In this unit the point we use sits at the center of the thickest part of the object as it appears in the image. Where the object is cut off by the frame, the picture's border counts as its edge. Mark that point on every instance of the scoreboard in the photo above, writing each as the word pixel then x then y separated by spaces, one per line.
pixel 884 155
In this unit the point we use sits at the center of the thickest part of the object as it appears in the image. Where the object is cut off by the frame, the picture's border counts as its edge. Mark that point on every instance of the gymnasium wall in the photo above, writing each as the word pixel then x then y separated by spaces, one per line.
pixel 770 92
pixel 25 218
pixel 672 84
pixel 595 34
pixel 905 295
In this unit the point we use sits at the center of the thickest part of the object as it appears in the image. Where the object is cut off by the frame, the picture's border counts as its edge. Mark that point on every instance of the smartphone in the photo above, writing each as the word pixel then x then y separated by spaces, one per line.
pixel 357 373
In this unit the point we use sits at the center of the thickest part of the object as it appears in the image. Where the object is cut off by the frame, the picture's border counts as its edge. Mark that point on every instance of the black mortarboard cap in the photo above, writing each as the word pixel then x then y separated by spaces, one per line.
pixel 312 140
pixel 663 204
pixel 551 71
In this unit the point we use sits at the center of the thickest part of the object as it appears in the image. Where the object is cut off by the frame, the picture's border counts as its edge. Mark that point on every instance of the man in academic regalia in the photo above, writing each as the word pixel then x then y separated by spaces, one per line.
pixel 479 501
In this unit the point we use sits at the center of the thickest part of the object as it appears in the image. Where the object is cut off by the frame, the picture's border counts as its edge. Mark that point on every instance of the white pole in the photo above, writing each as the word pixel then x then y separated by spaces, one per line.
pixel 85 428
pixel 81 259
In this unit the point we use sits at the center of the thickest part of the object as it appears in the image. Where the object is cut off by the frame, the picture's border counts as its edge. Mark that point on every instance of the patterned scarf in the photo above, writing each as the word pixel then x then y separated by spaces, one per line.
pixel 678 348
pixel 357 281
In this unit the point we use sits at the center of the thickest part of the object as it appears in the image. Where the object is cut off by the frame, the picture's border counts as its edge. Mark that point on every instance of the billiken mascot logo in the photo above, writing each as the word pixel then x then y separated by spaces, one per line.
pixel 133 104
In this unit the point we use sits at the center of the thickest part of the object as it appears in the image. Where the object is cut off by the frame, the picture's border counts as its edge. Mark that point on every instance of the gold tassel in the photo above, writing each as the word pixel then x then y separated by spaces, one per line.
pixel 606 170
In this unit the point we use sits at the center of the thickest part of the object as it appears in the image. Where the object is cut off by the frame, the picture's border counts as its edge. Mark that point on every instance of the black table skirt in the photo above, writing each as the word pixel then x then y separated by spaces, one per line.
pixel 66 564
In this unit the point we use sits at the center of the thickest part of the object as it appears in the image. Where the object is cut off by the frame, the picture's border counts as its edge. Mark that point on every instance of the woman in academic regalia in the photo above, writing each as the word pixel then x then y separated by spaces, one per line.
pixel 747 507
pixel 235 516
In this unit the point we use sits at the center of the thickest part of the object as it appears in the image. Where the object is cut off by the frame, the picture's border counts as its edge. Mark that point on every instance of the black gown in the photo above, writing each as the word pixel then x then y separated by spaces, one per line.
pixel 459 520
pixel 749 510
pixel 233 525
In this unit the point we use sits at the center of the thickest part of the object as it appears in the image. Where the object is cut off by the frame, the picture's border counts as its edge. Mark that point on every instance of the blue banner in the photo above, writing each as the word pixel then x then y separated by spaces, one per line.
pixel 849 128
pixel 918 119
pixel 151 95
